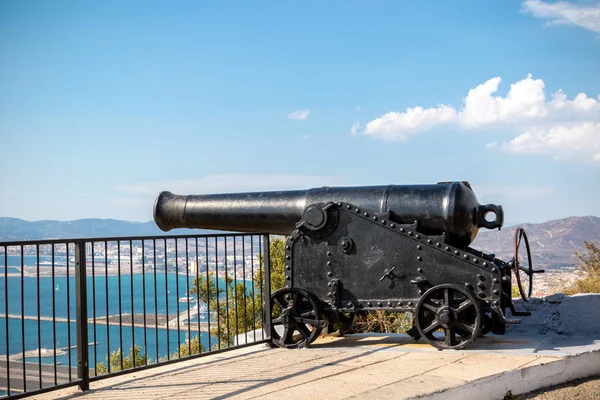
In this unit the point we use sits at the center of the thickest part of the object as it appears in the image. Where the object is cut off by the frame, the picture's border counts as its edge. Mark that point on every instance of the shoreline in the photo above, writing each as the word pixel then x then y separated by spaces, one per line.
pixel 46 272
pixel 161 322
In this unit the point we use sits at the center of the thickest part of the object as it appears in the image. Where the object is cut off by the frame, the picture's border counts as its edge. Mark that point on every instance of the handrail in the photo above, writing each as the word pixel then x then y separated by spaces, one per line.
pixel 123 238
pixel 145 278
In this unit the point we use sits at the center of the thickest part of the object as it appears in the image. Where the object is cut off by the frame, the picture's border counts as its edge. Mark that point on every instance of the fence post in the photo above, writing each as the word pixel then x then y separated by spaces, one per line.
pixel 83 369
pixel 267 284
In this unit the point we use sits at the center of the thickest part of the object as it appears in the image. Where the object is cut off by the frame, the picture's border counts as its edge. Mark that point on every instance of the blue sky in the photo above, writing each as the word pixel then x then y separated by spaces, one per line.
pixel 103 104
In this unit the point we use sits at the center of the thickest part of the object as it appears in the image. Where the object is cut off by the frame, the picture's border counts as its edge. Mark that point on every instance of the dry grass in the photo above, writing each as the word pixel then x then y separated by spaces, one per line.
pixel 589 264
pixel 383 322
pixel 589 284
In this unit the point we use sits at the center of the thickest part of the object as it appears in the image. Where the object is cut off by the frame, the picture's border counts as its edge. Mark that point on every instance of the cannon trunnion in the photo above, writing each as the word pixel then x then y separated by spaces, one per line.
pixel 353 254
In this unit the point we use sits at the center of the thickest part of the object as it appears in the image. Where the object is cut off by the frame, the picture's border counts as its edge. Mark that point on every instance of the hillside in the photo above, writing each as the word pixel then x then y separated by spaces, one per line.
pixel 553 243
pixel 18 229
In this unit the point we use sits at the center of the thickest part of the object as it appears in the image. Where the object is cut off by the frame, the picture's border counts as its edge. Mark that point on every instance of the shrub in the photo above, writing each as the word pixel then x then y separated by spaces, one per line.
pixel 380 321
pixel 515 293
pixel 589 264
pixel 135 357
pixel 189 348
pixel 238 308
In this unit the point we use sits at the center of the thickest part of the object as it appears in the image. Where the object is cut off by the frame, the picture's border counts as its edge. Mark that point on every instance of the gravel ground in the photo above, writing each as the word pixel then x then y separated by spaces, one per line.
pixel 584 389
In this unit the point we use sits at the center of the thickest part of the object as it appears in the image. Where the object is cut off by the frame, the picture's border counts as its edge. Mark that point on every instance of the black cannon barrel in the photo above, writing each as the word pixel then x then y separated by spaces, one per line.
pixel 449 207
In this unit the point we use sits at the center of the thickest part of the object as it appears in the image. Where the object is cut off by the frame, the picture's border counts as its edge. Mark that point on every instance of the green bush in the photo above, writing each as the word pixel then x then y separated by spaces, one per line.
pixel 134 358
pixel 189 348
pixel 589 264
pixel 237 310
pixel 515 293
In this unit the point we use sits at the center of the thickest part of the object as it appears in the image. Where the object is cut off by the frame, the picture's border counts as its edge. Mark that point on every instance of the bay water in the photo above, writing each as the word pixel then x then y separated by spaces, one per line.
pixel 48 297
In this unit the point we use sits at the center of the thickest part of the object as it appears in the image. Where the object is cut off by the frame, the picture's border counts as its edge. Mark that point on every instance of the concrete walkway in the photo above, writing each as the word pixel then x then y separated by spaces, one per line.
pixel 363 366
pixel 560 342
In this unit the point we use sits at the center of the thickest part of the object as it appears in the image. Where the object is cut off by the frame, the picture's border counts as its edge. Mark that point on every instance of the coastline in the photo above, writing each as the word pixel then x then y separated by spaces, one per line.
pixel 161 321
pixel 61 271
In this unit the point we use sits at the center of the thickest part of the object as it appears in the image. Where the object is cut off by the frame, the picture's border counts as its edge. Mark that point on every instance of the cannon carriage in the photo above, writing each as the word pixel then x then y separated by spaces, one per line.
pixel 352 250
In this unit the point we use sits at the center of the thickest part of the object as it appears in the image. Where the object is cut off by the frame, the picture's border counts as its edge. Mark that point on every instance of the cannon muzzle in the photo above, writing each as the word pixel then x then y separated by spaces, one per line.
pixel 450 207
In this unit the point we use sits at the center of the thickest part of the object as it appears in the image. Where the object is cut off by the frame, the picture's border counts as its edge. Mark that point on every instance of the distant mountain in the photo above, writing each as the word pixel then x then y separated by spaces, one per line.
pixel 12 229
pixel 553 243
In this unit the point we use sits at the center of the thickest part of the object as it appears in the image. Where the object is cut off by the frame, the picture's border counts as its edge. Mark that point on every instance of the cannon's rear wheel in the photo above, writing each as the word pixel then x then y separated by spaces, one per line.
pixel 449 317
pixel 295 320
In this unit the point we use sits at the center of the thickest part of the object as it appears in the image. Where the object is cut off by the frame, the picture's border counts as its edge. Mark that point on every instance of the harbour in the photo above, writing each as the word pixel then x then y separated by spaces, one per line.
pixel 159 322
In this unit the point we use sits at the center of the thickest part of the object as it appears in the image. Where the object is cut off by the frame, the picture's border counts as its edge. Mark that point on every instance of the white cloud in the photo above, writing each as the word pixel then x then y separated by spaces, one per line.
pixel 305 136
pixel 300 115
pixel 524 100
pixel 565 13
pixel 401 125
pixel 576 142
pixel 524 104
pixel 581 105
pixel 560 127
pixel 355 129
pixel 357 108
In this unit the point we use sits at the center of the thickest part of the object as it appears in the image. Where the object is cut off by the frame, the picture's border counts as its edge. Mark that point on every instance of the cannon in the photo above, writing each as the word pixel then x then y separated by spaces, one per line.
pixel 351 250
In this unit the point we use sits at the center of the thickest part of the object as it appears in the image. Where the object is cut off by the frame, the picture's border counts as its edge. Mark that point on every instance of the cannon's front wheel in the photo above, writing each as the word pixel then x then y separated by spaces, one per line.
pixel 448 317
pixel 295 320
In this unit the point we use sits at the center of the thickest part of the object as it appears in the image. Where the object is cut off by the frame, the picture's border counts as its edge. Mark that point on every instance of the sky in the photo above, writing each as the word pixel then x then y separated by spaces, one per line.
pixel 103 104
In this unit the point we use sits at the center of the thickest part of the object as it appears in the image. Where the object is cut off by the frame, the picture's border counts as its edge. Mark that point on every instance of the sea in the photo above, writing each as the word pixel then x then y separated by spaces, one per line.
pixel 51 297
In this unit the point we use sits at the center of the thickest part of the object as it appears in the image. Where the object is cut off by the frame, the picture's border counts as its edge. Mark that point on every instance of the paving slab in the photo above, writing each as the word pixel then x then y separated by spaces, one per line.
pixel 557 344
pixel 414 387
pixel 381 366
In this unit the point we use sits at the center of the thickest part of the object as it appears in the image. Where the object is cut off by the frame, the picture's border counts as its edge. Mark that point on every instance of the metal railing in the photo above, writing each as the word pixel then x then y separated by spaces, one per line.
pixel 77 310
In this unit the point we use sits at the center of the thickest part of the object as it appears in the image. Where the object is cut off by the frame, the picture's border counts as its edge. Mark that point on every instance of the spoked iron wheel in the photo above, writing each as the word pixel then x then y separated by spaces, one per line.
pixel 295 321
pixel 486 321
pixel 448 317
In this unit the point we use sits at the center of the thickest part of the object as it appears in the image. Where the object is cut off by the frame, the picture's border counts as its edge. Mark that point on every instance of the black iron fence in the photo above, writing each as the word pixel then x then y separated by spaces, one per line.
pixel 73 311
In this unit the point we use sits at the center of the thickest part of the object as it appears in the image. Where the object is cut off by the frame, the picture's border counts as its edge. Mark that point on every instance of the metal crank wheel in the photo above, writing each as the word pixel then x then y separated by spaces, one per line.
pixel 295 321
pixel 520 269
pixel 448 317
